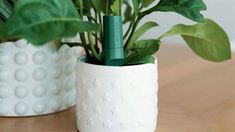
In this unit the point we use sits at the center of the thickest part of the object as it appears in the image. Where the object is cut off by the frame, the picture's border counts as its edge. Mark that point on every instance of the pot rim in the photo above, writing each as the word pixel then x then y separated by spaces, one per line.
pixel 82 60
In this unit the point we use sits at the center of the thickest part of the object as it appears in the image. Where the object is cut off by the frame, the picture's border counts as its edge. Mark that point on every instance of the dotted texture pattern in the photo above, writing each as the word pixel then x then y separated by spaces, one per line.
pixel 116 99
pixel 36 80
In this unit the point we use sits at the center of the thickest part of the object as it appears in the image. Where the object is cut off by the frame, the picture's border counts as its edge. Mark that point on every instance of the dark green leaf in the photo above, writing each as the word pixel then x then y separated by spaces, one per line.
pixel 146 3
pixel 207 39
pixel 141 60
pixel 188 8
pixel 141 49
pixel 128 12
pixel 145 47
pixel 41 21
pixel 141 31
pixel 136 4
pixel 5 9
pixel 86 3
pixel 99 5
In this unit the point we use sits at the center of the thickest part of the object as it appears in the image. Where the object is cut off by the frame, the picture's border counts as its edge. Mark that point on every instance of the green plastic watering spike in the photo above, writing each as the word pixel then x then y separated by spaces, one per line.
pixel 113 41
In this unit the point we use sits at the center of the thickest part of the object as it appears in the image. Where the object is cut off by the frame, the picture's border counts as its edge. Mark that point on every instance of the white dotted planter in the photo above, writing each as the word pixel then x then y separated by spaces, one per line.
pixel 116 99
pixel 36 80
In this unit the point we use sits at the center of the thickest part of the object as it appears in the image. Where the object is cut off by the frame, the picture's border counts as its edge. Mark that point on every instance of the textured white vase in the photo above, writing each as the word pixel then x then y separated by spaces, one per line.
pixel 36 80
pixel 116 99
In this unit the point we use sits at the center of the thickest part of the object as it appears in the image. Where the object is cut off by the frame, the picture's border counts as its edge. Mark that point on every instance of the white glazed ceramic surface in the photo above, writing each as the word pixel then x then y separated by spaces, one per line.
pixel 36 80
pixel 116 99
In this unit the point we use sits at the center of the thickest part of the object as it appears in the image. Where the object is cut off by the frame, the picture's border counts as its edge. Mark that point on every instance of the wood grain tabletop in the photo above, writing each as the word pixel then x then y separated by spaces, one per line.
pixel 194 96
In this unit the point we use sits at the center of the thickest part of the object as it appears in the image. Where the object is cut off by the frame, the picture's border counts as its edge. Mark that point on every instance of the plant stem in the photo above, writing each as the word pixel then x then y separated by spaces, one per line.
pixel 107 7
pixel 93 50
pixel 101 22
pixel 147 12
pixel 140 16
pixel 82 34
pixel 96 36
pixel 120 6
pixel 129 40
pixel 98 39
pixel 128 30
pixel 81 8
pixel 91 18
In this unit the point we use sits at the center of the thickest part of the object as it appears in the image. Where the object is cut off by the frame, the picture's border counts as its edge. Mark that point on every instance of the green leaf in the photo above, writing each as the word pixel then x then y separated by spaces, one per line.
pixel 145 47
pixel 188 8
pixel 41 21
pixel 86 3
pixel 146 3
pixel 136 4
pixel 127 12
pixel 5 9
pixel 141 49
pixel 141 60
pixel 99 5
pixel 116 7
pixel 208 40
pixel 141 31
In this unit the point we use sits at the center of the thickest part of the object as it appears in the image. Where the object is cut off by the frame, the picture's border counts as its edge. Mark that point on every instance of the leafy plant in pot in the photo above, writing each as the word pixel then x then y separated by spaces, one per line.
pixel 120 96
pixel 33 80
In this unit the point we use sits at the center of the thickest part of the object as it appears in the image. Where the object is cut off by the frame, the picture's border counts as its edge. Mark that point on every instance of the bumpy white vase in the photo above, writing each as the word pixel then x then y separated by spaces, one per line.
pixel 116 99
pixel 36 80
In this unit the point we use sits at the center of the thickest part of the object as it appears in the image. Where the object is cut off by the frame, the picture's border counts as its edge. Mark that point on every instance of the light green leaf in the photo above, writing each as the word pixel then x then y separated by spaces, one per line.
pixel 188 8
pixel 141 49
pixel 141 31
pixel 146 3
pixel 208 40
pixel 116 7
pixel 41 21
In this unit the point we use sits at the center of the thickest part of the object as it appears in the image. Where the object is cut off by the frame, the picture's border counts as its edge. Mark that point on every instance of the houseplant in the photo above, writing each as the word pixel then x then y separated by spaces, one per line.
pixel 34 80
pixel 116 98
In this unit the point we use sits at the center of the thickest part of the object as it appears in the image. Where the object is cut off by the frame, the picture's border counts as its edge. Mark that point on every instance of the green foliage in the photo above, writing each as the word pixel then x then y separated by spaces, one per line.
pixel 210 43
pixel 141 50
pixel 5 10
pixel 127 12
pixel 99 5
pixel 141 31
pixel 116 7
pixel 141 60
pixel 187 8
pixel 136 4
pixel 146 3
pixel 40 21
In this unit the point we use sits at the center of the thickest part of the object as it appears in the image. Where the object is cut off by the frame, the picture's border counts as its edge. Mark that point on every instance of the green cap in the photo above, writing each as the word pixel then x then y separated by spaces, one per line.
pixel 113 41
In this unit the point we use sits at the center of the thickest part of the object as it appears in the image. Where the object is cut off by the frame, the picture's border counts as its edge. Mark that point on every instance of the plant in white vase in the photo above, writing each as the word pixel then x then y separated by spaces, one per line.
pixel 34 80
pixel 116 84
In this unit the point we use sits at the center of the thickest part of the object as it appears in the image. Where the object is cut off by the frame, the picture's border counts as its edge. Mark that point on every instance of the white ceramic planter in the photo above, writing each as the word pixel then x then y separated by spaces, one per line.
pixel 116 99
pixel 36 80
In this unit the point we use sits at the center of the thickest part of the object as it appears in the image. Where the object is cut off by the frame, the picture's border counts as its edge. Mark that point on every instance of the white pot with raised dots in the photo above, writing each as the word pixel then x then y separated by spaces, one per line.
pixel 116 99
pixel 36 80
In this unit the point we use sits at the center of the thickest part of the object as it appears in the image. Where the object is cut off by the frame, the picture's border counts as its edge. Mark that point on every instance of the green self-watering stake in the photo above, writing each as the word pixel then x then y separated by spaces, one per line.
pixel 113 41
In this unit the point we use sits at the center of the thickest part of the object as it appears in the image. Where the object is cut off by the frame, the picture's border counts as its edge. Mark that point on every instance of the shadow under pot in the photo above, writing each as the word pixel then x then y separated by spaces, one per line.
pixel 36 80
pixel 116 99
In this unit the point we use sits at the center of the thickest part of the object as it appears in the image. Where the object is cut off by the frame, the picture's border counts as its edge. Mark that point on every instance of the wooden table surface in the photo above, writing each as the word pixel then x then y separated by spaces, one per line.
pixel 194 96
